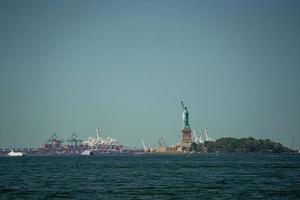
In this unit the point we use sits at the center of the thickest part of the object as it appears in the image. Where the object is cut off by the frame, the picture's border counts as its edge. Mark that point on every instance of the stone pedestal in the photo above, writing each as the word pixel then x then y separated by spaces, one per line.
pixel 186 138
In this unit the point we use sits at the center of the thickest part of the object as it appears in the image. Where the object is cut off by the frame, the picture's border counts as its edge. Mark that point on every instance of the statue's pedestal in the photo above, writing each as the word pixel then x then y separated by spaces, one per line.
pixel 186 138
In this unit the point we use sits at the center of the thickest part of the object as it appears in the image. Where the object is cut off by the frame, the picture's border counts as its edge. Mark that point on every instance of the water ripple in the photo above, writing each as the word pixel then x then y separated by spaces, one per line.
pixel 151 177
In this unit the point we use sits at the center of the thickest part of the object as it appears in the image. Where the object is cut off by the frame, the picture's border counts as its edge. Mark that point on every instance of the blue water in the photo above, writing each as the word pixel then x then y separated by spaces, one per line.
pixel 151 177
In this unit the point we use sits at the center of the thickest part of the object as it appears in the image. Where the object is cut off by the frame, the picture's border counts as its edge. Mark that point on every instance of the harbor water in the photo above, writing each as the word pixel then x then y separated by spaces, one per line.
pixel 150 177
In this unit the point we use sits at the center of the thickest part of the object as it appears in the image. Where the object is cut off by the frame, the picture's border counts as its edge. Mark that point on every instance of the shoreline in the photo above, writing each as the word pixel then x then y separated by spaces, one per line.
pixel 156 154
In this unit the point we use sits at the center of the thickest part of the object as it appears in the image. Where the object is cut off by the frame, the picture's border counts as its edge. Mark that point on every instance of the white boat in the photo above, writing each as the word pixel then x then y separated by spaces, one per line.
pixel 12 153
pixel 87 153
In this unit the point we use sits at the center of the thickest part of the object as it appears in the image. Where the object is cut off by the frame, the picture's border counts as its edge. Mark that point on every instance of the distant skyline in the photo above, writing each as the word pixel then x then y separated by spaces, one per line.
pixel 124 66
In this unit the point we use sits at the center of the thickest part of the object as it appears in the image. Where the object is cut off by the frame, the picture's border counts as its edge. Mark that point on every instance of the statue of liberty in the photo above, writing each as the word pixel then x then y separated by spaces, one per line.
pixel 185 117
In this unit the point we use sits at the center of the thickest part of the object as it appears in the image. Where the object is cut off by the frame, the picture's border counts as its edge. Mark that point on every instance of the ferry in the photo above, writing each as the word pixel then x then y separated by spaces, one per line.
pixel 87 153
pixel 12 153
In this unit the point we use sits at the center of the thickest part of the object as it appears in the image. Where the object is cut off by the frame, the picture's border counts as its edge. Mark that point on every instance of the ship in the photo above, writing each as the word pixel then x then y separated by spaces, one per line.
pixel 87 153
pixel 12 153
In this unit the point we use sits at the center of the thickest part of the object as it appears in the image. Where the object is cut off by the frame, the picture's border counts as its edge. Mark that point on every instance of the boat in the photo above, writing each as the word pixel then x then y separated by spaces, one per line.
pixel 12 153
pixel 87 153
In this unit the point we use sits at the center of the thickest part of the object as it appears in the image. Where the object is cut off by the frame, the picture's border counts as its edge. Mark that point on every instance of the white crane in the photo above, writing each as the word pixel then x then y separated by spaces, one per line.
pixel 199 139
pixel 195 136
pixel 144 146
pixel 206 135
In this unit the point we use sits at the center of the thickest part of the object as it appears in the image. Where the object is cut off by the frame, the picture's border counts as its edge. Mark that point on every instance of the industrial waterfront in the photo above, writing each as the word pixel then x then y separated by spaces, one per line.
pixel 99 144
pixel 188 143
pixel 55 145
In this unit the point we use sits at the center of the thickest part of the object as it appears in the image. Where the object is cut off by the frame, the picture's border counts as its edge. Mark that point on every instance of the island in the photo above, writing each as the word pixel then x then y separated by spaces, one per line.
pixel 240 146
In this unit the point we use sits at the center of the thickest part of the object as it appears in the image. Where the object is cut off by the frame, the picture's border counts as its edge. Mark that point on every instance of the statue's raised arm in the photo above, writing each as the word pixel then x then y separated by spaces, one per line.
pixel 182 104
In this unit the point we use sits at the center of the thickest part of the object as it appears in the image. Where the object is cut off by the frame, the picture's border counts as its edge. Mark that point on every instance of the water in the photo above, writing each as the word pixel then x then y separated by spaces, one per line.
pixel 151 177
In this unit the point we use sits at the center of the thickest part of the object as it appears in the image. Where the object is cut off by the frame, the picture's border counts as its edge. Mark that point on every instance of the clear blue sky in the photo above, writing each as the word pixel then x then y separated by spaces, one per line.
pixel 124 66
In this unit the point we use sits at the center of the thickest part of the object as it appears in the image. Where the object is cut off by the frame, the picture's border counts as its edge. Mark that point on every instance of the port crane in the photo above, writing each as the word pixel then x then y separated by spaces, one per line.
pixel 206 135
pixel 74 141
pixel 55 141
pixel 199 139
pixel 149 148
pixel 144 146
pixel 161 142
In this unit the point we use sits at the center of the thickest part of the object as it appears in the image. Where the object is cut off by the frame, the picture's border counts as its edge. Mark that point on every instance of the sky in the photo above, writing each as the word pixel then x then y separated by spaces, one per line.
pixel 124 66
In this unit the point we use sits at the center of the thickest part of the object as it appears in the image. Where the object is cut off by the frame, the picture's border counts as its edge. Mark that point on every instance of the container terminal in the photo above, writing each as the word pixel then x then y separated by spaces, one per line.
pixel 55 145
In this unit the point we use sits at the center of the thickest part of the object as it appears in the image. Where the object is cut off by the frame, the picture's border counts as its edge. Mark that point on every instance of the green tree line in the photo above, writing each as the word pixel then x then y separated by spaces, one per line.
pixel 243 145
